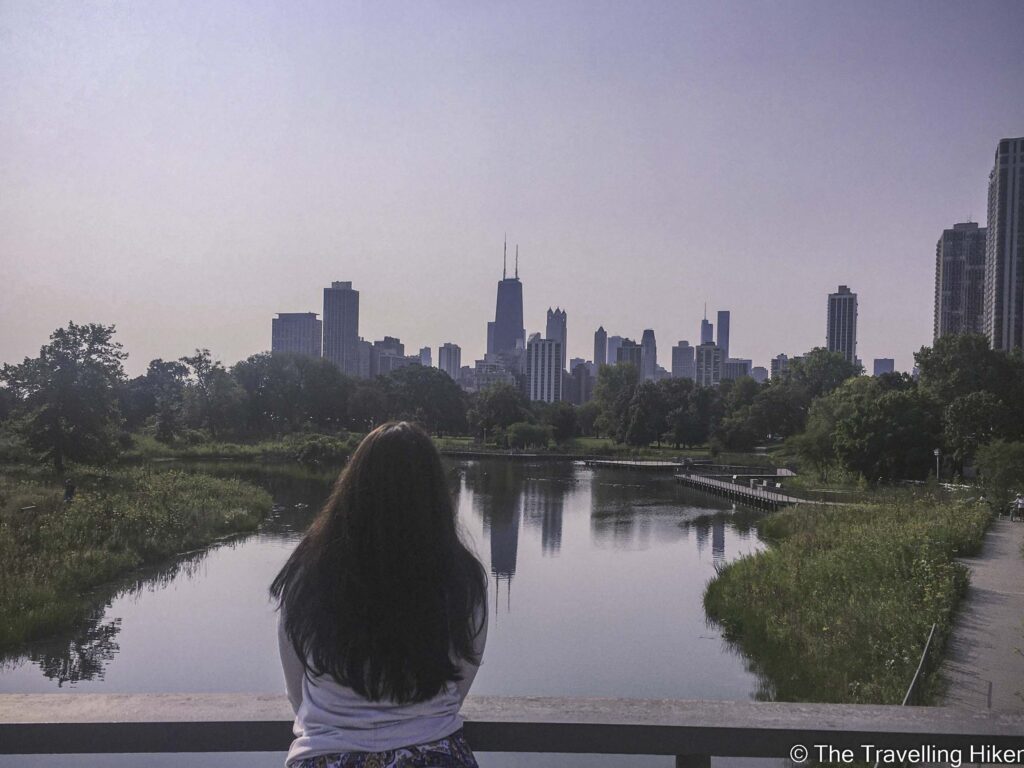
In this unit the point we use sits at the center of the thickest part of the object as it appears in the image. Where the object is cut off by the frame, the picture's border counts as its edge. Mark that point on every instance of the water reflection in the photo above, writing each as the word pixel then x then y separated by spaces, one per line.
pixel 605 558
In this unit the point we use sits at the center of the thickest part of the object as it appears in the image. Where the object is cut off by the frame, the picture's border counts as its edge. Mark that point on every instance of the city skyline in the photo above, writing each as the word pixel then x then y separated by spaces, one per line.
pixel 393 149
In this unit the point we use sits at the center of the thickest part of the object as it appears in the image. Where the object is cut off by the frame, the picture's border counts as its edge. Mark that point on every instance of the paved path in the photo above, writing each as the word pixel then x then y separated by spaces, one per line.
pixel 984 663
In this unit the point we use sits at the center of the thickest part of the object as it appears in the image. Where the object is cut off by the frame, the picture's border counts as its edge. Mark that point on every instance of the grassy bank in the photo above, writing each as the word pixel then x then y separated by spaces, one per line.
pixel 304 448
pixel 52 553
pixel 839 607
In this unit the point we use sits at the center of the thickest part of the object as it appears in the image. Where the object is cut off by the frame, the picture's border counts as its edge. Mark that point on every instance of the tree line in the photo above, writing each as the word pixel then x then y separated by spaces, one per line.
pixel 74 403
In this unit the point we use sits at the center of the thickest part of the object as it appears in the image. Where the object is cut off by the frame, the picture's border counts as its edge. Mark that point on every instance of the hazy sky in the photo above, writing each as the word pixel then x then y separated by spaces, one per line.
pixel 186 170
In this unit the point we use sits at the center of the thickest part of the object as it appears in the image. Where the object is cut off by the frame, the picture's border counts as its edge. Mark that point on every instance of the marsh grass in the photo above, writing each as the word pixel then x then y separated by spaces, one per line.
pixel 52 553
pixel 838 609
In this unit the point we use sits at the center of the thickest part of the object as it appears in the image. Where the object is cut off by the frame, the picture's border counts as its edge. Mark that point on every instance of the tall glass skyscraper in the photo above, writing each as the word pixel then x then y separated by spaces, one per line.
pixel 341 327
pixel 841 333
pixel 1004 248
pixel 960 281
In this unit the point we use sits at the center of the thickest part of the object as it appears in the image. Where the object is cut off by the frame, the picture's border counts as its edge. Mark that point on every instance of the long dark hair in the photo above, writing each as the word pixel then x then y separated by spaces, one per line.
pixel 381 594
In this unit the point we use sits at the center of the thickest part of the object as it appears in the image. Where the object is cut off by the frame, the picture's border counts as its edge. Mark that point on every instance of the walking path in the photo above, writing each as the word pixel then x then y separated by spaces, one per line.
pixel 984 664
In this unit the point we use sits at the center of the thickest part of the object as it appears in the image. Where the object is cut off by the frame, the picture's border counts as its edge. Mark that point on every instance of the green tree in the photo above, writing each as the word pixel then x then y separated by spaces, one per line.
pixel 613 392
pixel 66 400
pixel 586 419
pixel 960 364
pixel 973 420
pixel 1001 464
pixel 213 399
pixel 891 437
pixel 428 396
pixel 498 407
pixel 820 372
pixel 645 418
pixel 561 417
pixel 522 434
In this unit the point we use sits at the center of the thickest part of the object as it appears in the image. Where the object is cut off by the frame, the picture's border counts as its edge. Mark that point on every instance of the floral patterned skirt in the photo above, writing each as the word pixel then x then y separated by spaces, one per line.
pixel 449 752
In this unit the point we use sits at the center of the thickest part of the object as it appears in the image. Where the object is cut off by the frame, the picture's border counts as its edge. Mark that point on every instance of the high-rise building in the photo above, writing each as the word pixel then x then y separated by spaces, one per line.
pixel 341 327
pixel 842 323
pixel 707 330
pixel 683 361
pixel 759 374
pixel 735 368
pixel 884 365
pixel 709 365
pixel 365 352
pixel 387 355
pixel 600 347
pixel 298 333
pixel 449 359
pixel 960 280
pixel 556 329
pixel 1004 248
pixel 630 352
pixel 581 383
pixel 781 364
pixel 648 355
pixel 544 369
pixel 723 332
pixel 506 335
pixel 614 344
pixel 425 359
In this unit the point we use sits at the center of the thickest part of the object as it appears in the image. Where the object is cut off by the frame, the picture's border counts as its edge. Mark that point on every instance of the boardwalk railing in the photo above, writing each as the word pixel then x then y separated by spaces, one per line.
pixel 693 731
pixel 745 493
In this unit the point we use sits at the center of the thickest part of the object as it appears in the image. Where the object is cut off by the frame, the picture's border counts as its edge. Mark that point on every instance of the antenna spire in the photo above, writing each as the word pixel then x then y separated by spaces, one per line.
pixel 504 259
pixel 517 261
pixel 705 310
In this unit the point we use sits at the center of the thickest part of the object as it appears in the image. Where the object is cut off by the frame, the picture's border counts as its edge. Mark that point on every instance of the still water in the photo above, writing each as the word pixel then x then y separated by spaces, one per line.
pixel 596 578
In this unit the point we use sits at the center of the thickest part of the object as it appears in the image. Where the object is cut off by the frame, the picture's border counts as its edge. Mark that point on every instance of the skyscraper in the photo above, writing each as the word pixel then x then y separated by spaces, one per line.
pixel 709 365
pixel 556 329
pixel 298 333
pixel 683 361
pixel 341 327
pixel 614 343
pixel 707 330
pixel 506 334
pixel 842 323
pixel 544 369
pixel 449 359
pixel 723 333
pixel 960 280
pixel 600 347
pixel 1004 248
pixel 425 359
pixel 648 355
pixel 630 352
pixel 884 365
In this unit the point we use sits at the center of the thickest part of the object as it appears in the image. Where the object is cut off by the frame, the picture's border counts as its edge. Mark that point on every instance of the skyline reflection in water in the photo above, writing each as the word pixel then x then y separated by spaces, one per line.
pixel 597 579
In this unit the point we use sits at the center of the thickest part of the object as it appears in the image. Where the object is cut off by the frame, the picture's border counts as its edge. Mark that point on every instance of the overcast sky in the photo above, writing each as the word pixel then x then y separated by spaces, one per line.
pixel 186 170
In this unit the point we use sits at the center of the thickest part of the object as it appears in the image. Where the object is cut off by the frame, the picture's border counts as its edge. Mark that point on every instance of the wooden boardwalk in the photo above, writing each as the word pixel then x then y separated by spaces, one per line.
pixel 637 464
pixel 758 497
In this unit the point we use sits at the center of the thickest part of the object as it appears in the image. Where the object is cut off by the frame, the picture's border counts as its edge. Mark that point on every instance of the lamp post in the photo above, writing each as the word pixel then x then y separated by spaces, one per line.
pixel 938 458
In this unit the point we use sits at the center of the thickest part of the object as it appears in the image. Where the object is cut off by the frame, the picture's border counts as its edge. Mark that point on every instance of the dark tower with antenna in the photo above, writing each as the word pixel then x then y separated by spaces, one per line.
pixel 506 334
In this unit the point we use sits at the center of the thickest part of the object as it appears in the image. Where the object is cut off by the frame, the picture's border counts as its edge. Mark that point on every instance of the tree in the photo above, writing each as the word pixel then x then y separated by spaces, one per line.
pixel 820 372
pixel 522 434
pixel 66 400
pixel 645 418
pixel 613 393
pixel 1002 471
pixel 890 437
pixel 561 417
pixel 973 420
pixel 960 364
pixel 428 396
pixel 498 407
pixel 586 419
pixel 213 399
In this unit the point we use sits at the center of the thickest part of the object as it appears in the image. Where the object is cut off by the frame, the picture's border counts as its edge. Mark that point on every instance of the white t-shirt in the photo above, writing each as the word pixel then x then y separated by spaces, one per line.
pixel 331 718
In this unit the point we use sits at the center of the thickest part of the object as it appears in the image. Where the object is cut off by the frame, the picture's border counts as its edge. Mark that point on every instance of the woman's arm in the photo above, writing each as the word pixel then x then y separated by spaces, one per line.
pixel 468 669
pixel 291 664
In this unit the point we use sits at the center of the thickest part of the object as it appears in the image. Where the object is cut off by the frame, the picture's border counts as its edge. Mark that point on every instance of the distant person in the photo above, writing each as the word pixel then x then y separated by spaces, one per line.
pixel 1017 508
pixel 69 491
pixel 383 615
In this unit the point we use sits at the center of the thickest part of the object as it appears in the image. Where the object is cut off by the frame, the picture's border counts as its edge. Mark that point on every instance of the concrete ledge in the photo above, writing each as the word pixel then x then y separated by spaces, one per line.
pixel 124 723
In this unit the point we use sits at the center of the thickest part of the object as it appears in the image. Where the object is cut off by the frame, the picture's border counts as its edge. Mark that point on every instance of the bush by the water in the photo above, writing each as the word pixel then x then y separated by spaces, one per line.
pixel 840 606
pixel 305 448
pixel 52 552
